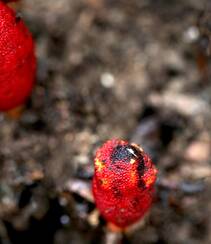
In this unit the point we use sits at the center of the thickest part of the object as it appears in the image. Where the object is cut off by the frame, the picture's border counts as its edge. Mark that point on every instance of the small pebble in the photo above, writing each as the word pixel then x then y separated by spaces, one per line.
pixel 191 34
pixel 107 80
pixel 65 220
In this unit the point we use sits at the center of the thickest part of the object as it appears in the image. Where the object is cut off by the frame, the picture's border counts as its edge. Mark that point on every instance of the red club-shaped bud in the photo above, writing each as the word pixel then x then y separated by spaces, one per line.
pixel 17 60
pixel 123 182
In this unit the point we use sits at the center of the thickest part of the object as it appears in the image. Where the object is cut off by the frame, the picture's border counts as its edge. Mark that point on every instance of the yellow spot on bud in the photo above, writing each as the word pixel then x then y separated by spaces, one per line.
pixel 133 176
pixel 149 181
pixel 99 165
pixel 104 182
pixel 132 161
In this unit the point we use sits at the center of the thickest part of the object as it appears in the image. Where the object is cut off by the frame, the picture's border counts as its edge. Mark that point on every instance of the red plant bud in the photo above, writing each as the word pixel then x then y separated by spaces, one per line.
pixel 123 183
pixel 17 60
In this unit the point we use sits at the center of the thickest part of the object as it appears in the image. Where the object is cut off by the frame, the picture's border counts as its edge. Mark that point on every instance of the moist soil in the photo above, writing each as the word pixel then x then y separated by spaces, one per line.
pixel 135 70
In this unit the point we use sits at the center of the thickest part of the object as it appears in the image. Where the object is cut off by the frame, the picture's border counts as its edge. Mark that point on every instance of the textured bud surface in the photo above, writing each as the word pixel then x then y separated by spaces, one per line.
pixel 17 59
pixel 123 182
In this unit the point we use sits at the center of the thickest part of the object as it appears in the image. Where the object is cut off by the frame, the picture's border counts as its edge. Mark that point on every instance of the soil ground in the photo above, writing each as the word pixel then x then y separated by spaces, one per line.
pixel 137 70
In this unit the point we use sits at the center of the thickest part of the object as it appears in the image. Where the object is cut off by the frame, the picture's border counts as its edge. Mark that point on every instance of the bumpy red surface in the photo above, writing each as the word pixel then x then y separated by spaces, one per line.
pixel 123 182
pixel 17 60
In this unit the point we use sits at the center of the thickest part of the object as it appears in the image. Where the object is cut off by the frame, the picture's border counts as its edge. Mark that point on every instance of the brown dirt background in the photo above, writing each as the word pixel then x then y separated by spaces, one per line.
pixel 136 70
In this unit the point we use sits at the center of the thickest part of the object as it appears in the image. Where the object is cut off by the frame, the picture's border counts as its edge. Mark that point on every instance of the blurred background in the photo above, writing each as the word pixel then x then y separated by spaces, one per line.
pixel 131 69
